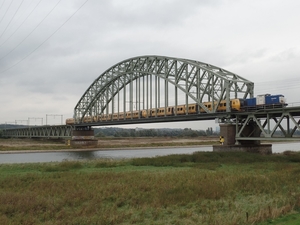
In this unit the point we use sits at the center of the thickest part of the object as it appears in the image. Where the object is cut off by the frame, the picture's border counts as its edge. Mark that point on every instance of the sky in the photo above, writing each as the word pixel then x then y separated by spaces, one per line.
pixel 51 51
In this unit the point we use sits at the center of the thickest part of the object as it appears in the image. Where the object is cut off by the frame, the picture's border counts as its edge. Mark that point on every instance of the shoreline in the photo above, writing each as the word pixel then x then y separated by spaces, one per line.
pixel 91 149
pixel 97 149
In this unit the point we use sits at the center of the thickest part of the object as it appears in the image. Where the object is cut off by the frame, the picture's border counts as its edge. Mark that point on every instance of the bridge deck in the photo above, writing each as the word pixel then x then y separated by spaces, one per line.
pixel 63 131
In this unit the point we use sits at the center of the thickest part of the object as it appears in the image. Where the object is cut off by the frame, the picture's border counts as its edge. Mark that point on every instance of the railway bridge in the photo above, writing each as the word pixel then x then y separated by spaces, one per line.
pixel 151 89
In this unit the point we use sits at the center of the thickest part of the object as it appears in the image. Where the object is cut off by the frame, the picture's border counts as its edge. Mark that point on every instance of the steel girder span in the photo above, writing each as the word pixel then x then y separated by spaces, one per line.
pixel 153 82
pixel 59 131
pixel 271 124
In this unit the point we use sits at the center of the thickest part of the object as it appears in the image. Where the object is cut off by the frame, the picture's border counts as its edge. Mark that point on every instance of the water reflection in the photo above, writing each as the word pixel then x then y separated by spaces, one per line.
pixel 81 155
pixel 117 154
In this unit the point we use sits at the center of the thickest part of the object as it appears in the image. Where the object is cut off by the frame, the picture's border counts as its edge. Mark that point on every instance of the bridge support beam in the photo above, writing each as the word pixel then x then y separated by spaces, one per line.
pixel 228 134
pixel 83 137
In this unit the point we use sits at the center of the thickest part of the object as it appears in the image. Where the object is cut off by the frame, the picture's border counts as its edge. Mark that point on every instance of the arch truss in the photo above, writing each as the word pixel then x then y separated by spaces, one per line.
pixel 150 82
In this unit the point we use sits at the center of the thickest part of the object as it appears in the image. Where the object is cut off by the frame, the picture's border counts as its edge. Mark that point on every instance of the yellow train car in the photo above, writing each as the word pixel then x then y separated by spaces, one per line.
pixel 236 104
pixel 168 111
pixel 70 121
pixel 88 119
pixel 133 115
pixel 193 108
pixel 180 110
pixel 146 113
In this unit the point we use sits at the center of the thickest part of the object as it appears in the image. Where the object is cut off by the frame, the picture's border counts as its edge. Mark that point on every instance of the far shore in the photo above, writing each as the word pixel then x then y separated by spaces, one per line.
pixel 98 149
pixel 10 146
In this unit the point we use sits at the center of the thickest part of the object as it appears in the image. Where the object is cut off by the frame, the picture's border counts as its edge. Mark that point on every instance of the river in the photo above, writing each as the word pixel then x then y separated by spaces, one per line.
pixel 118 154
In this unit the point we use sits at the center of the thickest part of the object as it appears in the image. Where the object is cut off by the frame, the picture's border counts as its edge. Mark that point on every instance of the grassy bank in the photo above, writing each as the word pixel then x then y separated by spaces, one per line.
pixel 103 143
pixel 202 188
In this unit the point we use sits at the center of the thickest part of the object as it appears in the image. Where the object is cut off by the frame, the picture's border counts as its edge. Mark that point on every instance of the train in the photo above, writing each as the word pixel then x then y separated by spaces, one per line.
pixel 236 105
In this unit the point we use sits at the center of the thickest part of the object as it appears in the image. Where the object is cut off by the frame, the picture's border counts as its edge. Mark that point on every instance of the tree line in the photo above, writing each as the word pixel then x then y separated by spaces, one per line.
pixel 164 132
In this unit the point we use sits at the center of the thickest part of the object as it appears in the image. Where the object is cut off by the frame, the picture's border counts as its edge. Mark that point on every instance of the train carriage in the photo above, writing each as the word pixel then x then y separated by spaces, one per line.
pixel 237 105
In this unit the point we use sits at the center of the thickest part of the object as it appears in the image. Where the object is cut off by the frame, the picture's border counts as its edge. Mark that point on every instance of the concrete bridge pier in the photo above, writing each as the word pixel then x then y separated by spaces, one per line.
pixel 83 137
pixel 228 133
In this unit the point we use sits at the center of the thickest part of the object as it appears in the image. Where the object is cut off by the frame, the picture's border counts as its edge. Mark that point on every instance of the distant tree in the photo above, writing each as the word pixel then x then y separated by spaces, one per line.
pixel 117 134
pixel 194 134
pixel 132 133
pixel 100 134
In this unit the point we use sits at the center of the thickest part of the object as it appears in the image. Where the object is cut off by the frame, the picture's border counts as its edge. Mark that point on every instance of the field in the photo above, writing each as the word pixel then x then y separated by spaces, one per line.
pixel 45 144
pixel 202 188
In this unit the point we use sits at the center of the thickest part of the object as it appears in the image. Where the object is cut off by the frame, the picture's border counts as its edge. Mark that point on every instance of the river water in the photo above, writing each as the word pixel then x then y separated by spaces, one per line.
pixel 118 154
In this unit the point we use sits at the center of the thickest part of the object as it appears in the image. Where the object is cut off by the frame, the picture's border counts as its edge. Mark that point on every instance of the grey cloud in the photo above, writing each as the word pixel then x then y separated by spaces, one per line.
pixel 102 33
pixel 287 55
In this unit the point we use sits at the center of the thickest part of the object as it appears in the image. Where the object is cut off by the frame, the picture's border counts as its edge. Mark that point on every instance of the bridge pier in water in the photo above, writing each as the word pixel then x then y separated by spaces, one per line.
pixel 228 133
pixel 83 137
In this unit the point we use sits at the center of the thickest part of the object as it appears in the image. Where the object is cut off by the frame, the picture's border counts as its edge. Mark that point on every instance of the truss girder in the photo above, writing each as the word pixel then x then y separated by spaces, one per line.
pixel 207 81
pixel 273 125
pixel 61 131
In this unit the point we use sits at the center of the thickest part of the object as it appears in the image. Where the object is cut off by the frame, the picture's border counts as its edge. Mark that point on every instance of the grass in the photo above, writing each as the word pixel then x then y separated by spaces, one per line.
pixel 104 143
pixel 202 188
pixel 291 219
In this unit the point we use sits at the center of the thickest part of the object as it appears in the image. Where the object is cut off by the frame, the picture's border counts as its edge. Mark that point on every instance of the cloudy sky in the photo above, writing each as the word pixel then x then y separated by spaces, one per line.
pixel 51 51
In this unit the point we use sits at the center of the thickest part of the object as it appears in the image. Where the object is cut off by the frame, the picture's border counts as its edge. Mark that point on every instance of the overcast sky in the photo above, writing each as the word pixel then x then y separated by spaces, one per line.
pixel 51 51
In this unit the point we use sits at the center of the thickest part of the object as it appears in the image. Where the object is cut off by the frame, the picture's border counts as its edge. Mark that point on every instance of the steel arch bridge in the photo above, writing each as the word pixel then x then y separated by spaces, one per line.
pixel 151 82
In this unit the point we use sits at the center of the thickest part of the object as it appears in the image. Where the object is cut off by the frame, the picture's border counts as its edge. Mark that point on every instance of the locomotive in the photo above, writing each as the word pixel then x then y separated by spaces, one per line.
pixel 236 105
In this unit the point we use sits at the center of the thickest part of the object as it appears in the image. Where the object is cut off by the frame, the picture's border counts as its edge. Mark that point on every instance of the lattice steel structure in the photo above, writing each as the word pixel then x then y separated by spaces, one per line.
pixel 149 82
pixel 58 131
pixel 268 122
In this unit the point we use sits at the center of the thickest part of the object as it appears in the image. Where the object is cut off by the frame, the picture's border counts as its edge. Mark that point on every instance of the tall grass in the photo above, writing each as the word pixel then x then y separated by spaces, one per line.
pixel 203 188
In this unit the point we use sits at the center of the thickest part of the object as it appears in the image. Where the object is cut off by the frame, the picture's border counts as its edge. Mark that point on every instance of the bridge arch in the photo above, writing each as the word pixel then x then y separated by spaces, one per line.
pixel 147 82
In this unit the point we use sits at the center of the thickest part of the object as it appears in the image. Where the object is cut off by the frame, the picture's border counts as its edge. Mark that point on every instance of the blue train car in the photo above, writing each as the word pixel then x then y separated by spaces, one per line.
pixel 250 102
pixel 275 100
pixel 265 101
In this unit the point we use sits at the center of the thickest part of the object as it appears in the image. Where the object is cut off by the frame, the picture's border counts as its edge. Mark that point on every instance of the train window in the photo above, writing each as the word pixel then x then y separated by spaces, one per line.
pixel 224 104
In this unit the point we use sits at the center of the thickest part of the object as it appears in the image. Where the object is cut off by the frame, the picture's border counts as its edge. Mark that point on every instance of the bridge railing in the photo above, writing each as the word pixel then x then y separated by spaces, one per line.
pixel 294 104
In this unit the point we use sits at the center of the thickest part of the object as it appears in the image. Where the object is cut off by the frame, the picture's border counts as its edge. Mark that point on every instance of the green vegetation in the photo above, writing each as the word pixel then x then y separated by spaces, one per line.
pixel 162 132
pixel 201 188
pixel 292 219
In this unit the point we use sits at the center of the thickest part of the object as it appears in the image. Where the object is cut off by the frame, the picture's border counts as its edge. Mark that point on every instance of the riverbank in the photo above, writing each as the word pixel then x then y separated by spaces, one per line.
pixel 201 188
pixel 46 145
